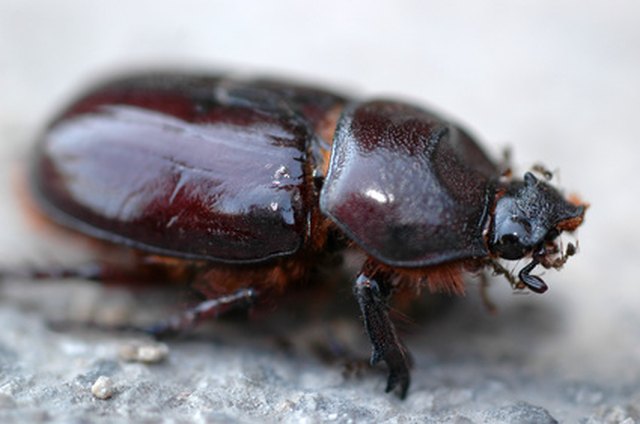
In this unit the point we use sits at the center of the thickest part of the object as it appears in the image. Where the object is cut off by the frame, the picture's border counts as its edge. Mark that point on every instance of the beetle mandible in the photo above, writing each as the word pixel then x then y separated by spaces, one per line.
pixel 249 184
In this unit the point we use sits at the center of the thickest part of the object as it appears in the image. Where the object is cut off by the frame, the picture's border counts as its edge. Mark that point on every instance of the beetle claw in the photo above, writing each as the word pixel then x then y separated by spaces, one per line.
pixel 398 372
pixel 398 364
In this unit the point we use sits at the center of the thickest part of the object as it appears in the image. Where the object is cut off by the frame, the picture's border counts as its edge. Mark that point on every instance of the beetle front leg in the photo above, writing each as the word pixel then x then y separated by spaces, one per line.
pixel 372 295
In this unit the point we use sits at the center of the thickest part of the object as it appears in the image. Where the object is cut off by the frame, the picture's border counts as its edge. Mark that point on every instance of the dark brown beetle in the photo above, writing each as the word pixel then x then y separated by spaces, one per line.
pixel 248 185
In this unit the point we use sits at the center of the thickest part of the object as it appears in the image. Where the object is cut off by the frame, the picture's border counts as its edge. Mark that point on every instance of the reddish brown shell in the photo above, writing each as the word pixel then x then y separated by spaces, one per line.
pixel 409 187
pixel 187 166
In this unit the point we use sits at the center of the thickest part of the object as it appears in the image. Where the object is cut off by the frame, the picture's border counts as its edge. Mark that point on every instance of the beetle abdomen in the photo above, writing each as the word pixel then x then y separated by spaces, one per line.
pixel 181 166
pixel 409 187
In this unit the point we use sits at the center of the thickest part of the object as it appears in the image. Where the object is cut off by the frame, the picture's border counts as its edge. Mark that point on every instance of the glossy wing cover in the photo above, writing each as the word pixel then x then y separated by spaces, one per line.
pixel 195 167
pixel 409 187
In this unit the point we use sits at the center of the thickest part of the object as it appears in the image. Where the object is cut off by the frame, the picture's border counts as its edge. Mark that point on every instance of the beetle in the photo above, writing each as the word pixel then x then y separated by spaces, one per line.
pixel 242 187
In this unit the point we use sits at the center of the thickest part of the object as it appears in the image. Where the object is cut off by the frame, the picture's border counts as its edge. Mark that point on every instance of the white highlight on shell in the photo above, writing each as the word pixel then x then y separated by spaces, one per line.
pixel 379 196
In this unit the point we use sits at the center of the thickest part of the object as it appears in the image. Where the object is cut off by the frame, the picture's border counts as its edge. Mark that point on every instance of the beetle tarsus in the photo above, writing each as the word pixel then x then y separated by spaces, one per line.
pixel 372 299
pixel 210 308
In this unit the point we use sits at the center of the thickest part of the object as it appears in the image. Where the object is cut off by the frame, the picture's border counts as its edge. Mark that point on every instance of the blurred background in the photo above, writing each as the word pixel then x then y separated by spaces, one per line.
pixel 558 82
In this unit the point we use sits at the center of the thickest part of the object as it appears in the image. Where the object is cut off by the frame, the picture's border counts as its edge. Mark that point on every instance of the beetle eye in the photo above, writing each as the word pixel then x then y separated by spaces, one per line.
pixel 509 247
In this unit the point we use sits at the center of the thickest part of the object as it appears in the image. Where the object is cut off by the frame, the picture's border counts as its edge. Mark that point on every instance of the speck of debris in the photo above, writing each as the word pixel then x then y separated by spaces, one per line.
pixel 102 388
pixel 144 351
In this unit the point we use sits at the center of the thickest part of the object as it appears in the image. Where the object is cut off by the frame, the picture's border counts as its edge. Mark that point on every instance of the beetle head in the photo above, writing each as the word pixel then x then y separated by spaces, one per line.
pixel 528 217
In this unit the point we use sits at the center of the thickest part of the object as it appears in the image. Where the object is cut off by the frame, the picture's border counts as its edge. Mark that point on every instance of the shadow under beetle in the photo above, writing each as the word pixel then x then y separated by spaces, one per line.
pixel 242 187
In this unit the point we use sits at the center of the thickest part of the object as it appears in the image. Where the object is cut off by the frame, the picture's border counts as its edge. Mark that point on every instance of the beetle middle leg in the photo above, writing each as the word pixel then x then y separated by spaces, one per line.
pixel 210 308
pixel 372 291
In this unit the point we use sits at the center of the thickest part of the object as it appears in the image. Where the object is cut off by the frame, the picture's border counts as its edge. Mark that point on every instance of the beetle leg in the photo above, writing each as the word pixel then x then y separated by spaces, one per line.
pixel 101 271
pixel 372 298
pixel 498 269
pixel 210 308
pixel 89 271
pixel 484 294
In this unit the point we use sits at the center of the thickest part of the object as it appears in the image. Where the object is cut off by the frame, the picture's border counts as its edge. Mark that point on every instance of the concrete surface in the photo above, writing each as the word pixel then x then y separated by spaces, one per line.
pixel 557 81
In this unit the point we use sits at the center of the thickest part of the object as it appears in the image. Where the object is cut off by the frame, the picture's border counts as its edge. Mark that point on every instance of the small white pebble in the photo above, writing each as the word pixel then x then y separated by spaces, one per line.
pixel 153 353
pixel 147 352
pixel 102 388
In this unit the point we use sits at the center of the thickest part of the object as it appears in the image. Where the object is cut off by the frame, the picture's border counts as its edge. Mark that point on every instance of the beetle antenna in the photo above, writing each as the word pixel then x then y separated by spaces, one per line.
pixel 533 282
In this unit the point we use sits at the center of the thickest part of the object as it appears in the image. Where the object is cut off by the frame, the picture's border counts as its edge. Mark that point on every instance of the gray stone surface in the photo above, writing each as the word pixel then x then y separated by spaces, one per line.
pixel 469 366
pixel 558 81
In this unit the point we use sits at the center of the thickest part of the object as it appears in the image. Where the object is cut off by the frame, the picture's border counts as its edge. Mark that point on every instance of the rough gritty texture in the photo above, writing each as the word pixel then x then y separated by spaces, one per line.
pixel 558 81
